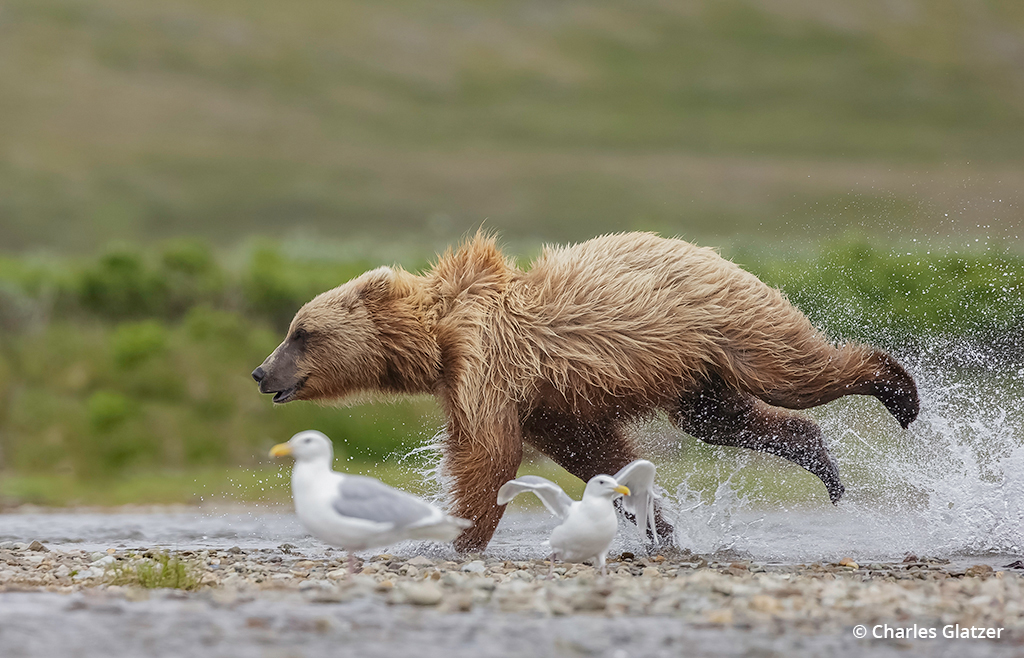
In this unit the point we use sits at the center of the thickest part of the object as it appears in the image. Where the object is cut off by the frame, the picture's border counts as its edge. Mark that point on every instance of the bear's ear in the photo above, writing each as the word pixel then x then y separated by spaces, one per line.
pixel 377 284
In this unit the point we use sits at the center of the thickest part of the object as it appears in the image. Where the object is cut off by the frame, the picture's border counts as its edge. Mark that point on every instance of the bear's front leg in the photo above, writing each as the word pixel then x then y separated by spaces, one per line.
pixel 480 459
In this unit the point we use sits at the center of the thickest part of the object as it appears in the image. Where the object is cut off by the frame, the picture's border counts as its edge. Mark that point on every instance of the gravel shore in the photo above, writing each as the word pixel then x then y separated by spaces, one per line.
pixel 688 593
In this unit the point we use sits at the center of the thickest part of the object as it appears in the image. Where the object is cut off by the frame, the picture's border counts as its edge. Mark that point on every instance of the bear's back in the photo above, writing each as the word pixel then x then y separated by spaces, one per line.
pixel 640 277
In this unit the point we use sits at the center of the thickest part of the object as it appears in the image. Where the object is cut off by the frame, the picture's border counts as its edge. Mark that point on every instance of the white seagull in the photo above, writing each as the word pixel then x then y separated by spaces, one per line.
pixel 589 525
pixel 354 512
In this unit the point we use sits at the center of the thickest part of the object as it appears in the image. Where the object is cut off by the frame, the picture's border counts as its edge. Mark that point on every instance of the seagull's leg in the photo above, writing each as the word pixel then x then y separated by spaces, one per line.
pixel 602 565
pixel 587 448
pixel 350 563
pixel 551 567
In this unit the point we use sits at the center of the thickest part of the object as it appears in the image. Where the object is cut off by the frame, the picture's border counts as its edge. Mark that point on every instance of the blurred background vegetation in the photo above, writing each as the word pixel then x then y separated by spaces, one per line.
pixel 177 178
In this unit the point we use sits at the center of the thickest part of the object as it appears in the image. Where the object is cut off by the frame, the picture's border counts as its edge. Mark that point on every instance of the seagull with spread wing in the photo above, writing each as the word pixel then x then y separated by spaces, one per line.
pixel 354 512
pixel 589 525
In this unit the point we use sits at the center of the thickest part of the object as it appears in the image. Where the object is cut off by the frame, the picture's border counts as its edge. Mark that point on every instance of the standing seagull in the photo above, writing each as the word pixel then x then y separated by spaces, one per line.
pixel 589 525
pixel 354 512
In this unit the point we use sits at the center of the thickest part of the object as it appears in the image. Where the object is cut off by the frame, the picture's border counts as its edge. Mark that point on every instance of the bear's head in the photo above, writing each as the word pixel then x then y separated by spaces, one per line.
pixel 363 336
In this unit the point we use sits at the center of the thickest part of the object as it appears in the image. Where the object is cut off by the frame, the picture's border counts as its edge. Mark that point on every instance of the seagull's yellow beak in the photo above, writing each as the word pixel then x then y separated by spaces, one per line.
pixel 281 450
pixel 619 489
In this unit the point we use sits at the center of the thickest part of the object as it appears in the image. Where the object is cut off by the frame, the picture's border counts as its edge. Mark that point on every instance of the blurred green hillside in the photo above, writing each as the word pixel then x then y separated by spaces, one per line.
pixel 414 122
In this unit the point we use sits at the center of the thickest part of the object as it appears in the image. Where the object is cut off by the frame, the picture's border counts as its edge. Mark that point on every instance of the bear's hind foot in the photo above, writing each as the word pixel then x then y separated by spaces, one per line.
pixel 829 476
pixel 895 388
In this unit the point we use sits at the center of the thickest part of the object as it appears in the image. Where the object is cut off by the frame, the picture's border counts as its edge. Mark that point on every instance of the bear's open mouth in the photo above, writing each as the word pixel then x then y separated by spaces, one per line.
pixel 288 394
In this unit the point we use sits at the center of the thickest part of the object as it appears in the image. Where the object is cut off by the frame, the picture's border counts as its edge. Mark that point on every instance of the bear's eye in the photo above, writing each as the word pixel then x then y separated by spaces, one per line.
pixel 299 334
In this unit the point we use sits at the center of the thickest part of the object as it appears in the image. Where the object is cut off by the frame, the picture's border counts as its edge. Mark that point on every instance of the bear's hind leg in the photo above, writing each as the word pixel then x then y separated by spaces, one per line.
pixel 850 370
pixel 585 449
pixel 722 416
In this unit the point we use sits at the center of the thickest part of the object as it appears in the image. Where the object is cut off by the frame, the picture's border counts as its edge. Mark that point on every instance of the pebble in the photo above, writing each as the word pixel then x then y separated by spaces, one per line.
pixel 979 570
pixel 722 616
pixel 423 593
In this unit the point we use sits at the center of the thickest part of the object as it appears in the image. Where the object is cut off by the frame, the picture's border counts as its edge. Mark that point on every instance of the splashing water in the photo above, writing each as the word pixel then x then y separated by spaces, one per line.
pixel 951 486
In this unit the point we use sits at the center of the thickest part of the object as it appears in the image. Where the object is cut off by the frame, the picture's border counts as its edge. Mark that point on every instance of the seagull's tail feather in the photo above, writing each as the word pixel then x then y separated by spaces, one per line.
pixel 446 529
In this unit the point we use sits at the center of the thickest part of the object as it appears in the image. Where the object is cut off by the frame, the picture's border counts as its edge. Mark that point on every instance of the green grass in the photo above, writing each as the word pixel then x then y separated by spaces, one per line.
pixel 386 119
pixel 155 570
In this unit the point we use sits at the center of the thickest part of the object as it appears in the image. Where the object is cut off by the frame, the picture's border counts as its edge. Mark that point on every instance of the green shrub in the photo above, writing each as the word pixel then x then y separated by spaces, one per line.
pixel 136 342
pixel 192 276
pixel 271 288
pixel 18 311
pixel 108 409
pixel 856 289
pixel 274 286
pixel 122 286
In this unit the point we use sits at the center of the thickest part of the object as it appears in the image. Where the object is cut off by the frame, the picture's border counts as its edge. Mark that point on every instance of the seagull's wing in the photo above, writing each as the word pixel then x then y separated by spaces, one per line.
pixel 638 476
pixel 361 497
pixel 556 500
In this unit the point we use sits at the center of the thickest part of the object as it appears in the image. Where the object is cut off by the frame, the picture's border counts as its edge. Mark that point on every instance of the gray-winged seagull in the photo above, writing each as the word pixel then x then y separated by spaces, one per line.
pixel 355 512
pixel 589 525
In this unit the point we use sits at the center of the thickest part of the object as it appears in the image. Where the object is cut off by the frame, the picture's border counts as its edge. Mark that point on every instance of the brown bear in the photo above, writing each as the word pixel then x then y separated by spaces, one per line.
pixel 564 355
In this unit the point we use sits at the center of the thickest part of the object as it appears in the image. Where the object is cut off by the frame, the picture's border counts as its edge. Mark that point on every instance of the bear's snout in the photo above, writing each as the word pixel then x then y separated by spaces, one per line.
pixel 279 375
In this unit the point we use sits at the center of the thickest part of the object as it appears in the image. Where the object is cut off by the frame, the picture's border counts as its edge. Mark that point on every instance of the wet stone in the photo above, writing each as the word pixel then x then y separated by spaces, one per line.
pixel 979 570
pixel 423 593
pixel 475 566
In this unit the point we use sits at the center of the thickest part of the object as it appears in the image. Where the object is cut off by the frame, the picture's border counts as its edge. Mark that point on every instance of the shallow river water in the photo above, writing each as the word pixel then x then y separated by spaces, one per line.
pixel 764 536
